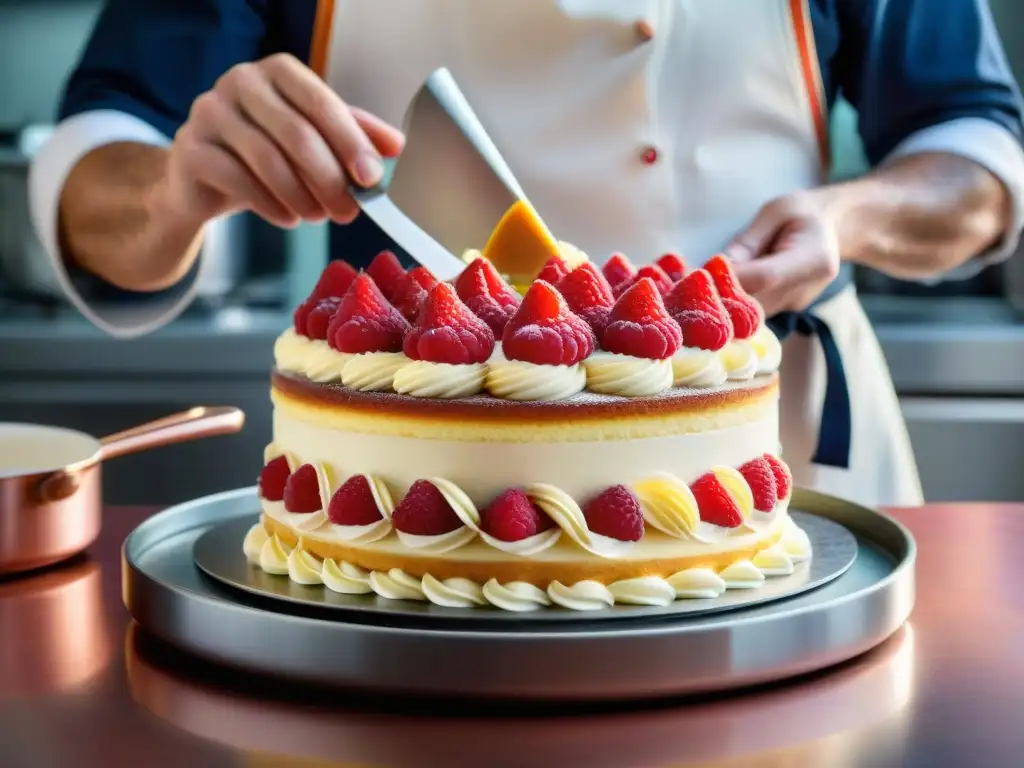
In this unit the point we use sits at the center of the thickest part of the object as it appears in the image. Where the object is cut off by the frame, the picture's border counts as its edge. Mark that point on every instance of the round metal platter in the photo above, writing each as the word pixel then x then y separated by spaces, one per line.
pixel 218 553
pixel 493 656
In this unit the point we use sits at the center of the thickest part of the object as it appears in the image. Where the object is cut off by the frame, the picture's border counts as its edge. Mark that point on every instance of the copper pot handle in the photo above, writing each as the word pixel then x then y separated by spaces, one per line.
pixel 203 421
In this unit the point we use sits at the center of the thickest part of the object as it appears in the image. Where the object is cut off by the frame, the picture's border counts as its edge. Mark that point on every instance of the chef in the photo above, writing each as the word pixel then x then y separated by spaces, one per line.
pixel 646 126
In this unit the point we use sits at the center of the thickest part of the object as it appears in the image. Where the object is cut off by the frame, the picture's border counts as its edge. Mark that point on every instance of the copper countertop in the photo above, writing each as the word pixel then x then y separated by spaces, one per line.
pixel 79 686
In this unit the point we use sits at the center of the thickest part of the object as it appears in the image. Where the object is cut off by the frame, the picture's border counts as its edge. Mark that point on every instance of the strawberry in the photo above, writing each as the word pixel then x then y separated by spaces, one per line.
pixel 615 513
pixel 488 296
pixel 672 265
pixel 714 503
pixel 319 318
pixel 273 478
pixel 694 303
pixel 618 269
pixel 761 478
pixel 447 332
pixel 425 512
pixel 412 292
pixel 744 310
pixel 554 269
pixel 640 326
pixel 353 503
pixel 302 491
pixel 387 272
pixel 588 295
pixel 334 282
pixel 545 332
pixel 366 322
pixel 513 517
pixel 783 477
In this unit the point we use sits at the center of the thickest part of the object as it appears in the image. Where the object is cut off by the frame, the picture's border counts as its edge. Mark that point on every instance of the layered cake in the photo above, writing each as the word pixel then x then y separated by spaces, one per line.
pixel 601 436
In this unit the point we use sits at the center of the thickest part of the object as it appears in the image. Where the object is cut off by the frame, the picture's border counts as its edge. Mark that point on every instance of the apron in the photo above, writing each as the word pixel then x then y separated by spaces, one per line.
pixel 646 127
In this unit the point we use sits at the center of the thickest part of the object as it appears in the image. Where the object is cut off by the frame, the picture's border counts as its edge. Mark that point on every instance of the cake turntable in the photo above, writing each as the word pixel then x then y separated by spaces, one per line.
pixel 842 609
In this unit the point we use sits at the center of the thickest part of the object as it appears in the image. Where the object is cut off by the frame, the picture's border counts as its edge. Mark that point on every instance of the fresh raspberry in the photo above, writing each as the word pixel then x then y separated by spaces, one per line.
pixel 640 326
pixel 694 303
pixel 412 292
pixel 618 269
pixel 761 478
pixel 745 311
pixel 672 265
pixel 366 322
pixel 447 332
pixel 714 503
pixel 554 269
pixel 588 295
pixel 353 503
pixel 661 281
pixel 425 512
pixel 544 331
pixel 273 478
pixel 302 491
pixel 513 517
pixel 387 272
pixel 334 281
pixel 615 513
pixel 488 296
pixel 320 316
pixel 783 477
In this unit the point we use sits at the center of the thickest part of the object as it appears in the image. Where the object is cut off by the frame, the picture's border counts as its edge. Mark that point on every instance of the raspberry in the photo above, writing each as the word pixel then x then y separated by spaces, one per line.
pixel 302 491
pixel 334 281
pixel 488 296
pixel 588 295
pixel 273 478
pixel 673 265
pixel 513 517
pixel 661 281
pixel 366 322
pixel 761 478
pixel 353 503
pixel 425 512
pixel 640 326
pixel 783 477
pixel 694 303
pixel 553 270
pixel 618 269
pixel 412 292
pixel 386 272
pixel 543 330
pixel 745 311
pixel 320 316
pixel 447 332
pixel 615 513
pixel 714 503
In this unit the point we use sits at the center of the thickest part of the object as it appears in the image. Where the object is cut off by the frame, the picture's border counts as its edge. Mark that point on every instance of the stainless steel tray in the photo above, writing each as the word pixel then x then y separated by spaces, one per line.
pixel 641 657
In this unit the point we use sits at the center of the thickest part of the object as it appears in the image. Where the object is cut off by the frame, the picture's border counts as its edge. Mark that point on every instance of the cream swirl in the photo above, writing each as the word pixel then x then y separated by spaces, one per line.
pixel 252 545
pixel 373 371
pixel 516 596
pixel 396 584
pixel 345 578
pixel 669 505
pixel 581 596
pixel 697 583
pixel 742 574
pixel 303 567
pixel 312 358
pixel 697 368
pixel 644 590
pixel 795 542
pixel 421 378
pixel 453 593
pixel 567 515
pixel 774 562
pixel 274 556
pixel 768 349
pixel 609 373
pixel 522 381
pixel 290 350
pixel 740 360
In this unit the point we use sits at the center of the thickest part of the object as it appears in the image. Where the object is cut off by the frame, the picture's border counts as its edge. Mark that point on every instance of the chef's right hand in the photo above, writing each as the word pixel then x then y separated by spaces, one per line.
pixel 273 138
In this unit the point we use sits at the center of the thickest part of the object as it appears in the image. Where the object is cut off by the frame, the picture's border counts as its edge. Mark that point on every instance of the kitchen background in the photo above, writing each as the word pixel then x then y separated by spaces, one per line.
pixel 956 350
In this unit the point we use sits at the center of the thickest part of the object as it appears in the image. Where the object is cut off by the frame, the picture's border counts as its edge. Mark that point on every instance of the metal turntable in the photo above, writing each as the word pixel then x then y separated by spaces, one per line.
pixel 186 585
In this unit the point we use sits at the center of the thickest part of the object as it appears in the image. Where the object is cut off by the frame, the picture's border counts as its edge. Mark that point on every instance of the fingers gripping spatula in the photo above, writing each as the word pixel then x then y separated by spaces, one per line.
pixel 450 186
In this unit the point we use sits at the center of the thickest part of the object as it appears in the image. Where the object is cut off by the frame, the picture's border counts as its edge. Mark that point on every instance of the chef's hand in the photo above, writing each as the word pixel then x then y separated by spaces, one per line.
pixel 273 138
pixel 788 253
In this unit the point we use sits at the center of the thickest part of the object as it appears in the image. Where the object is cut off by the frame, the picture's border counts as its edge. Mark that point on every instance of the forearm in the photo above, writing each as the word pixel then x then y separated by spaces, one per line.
pixel 920 215
pixel 115 224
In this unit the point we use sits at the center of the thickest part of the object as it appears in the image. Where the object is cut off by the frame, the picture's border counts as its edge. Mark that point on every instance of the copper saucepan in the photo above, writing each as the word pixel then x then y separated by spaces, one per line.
pixel 50 491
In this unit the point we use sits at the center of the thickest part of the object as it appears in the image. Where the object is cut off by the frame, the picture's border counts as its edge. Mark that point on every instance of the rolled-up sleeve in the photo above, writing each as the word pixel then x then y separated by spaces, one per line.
pixel 145 63
pixel 932 76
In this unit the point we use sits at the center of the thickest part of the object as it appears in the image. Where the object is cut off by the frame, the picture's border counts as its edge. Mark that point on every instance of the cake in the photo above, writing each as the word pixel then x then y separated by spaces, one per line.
pixel 601 436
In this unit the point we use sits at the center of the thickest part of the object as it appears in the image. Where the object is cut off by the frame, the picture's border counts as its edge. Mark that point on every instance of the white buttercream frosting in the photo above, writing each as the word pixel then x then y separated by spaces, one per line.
pixel 312 358
pixel 373 371
pixel 515 596
pixel 519 380
pixel 304 568
pixel 740 360
pixel 453 593
pixel 768 349
pixel 396 584
pixel 698 368
pixel 581 596
pixel 439 380
pixel 274 556
pixel 613 374
pixel 645 590
pixel 742 574
pixel 697 583
pixel 346 578
pixel 252 546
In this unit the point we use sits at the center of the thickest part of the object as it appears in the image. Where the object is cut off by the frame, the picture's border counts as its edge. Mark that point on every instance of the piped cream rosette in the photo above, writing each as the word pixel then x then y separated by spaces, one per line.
pixel 312 358
pixel 745 358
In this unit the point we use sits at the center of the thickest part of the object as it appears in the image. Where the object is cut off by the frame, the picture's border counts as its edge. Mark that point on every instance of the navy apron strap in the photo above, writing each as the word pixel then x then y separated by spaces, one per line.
pixel 836 432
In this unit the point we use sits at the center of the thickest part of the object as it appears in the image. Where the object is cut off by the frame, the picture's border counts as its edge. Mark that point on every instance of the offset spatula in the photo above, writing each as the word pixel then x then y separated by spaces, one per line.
pixel 450 186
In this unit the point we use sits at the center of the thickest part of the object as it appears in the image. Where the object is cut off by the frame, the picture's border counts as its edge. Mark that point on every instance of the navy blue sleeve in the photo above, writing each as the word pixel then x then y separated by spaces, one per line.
pixel 152 58
pixel 906 65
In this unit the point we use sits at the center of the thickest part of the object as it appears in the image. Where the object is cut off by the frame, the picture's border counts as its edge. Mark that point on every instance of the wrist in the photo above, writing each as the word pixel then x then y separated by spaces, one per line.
pixel 851 209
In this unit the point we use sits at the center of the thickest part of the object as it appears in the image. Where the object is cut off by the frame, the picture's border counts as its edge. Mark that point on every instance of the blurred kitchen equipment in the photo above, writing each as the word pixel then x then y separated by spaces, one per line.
pixel 26 266
pixel 50 490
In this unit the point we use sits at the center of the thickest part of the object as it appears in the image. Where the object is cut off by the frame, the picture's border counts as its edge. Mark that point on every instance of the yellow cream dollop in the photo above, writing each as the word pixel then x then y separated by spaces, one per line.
pixel 440 380
pixel 373 371
pixel 518 380
pixel 697 368
pixel 613 374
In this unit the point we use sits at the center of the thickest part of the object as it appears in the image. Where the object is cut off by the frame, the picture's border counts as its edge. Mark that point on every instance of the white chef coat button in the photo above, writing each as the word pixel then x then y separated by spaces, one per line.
pixel 649 155
pixel 644 30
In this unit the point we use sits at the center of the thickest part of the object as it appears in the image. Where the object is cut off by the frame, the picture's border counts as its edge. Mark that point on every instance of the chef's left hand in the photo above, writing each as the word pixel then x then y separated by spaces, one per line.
pixel 788 253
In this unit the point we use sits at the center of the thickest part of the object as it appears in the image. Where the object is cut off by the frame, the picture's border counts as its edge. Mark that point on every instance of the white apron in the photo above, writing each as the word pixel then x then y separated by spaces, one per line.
pixel 645 126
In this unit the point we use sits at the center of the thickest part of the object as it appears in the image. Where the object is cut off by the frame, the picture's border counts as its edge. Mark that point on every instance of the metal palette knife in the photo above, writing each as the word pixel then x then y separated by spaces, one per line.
pixel 450 186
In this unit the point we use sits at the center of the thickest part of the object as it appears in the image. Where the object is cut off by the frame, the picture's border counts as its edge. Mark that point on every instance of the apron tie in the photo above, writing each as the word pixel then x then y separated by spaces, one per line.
pixel 836 431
